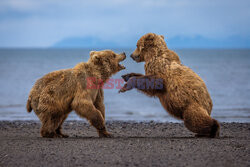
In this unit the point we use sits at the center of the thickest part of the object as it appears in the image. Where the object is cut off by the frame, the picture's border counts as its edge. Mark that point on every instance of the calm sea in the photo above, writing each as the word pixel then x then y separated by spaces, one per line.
pixel 226 73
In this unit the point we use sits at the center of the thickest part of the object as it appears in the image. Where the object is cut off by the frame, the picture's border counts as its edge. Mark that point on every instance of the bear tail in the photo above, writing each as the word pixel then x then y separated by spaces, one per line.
pixel 215 129
pixel 28 105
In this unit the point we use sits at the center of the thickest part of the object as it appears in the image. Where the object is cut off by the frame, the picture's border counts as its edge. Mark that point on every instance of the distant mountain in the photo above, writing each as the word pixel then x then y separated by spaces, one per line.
pixel 85 42
pixel 201 42
pixel 175 42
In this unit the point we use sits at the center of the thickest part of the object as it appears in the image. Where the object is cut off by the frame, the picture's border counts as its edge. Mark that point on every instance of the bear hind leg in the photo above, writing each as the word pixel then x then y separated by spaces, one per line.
pixel 50 123
pixel 198 121
pixel 59 129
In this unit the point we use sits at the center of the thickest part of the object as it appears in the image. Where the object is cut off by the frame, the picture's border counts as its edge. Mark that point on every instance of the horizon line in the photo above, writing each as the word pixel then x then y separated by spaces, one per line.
pixel 88 48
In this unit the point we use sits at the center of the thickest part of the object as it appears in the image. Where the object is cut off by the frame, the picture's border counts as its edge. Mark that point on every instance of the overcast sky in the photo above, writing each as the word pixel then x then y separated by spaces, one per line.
pixel 42 23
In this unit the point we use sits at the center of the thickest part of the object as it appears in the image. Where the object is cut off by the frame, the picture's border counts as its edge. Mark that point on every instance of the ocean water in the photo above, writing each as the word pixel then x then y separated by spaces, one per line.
pixel 225 72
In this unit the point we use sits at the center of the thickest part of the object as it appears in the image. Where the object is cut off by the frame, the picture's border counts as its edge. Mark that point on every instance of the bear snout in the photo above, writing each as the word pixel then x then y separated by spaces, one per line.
pixel 124 56
pixel 135 57
pixel 132 56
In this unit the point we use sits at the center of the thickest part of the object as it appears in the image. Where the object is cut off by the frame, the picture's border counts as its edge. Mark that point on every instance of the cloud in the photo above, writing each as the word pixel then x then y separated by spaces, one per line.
pixel 33 23
pixel 19 5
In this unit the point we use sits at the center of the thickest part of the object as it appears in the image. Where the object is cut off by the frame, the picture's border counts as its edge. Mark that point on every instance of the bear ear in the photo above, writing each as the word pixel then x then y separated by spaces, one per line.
pixel 162 36
pixel 96 58
pixel 92 53
pixel 149 39
pixel 150 36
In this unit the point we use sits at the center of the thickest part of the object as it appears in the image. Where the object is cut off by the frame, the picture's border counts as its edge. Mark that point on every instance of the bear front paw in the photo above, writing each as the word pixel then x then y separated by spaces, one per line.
pixel 64 135
pixel 125 88
pixel 126 77
pixel 105 134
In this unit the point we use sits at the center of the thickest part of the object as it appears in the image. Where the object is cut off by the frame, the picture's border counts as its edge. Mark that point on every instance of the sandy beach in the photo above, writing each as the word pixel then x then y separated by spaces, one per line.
pixel 134 144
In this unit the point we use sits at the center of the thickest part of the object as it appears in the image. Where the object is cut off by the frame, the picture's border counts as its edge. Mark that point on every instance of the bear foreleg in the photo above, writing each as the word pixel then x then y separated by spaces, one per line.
pixel 87 110
pixel 148 84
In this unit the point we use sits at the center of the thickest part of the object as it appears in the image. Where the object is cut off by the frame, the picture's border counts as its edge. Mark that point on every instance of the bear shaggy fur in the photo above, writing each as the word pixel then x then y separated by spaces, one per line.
pixel 183 94
pixel 56 94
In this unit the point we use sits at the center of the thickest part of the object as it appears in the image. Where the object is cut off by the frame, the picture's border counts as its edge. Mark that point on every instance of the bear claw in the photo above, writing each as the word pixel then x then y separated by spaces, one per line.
pixel 126 77
pixel 105 135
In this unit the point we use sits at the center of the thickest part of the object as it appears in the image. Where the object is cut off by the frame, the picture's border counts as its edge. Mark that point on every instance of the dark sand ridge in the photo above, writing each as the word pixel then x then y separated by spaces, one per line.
pixel 134 144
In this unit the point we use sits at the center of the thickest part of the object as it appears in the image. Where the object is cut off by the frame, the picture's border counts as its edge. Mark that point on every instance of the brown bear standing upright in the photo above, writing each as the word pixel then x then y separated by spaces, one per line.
pixel 56 94
pixel 183 93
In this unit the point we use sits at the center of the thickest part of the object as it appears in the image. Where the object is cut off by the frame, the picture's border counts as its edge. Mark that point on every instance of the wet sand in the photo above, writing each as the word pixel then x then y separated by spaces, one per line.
pixel 134 144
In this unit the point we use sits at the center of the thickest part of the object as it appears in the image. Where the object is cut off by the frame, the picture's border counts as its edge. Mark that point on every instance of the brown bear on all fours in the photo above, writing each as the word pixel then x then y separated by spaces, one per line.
pixel 56 94
pixel 183 93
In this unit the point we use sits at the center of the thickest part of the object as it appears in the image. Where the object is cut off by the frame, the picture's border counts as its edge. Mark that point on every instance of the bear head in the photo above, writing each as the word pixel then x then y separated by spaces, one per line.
pixel 148 46
pixel 108 61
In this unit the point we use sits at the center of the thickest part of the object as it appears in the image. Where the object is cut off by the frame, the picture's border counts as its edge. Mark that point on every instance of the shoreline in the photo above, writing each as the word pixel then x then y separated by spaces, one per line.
pixel 134 144
pixel 115 119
